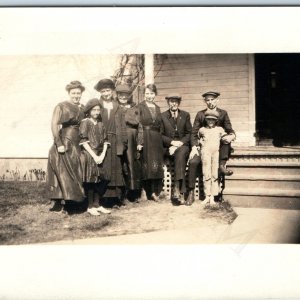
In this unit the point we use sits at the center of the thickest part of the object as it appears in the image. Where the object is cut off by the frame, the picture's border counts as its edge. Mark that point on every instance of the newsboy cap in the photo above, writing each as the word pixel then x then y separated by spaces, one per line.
pixel 211 114
pixel 123 88
pixel 173 96
pixel 104 84
pixel 214 94
pixel 90 104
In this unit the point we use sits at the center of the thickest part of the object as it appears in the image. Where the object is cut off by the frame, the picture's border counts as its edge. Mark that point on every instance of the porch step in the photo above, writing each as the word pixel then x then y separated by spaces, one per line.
pixel 263 201
pixel 265 170
pixel 261 181
pixel 262 192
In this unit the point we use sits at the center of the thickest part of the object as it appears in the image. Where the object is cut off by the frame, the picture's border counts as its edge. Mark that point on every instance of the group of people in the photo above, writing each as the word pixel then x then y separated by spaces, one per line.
pixel 114 148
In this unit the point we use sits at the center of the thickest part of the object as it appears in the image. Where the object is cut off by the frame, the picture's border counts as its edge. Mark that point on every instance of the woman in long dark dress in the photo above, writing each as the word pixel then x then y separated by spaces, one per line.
pixel 64 167
pixel 131 163
pixel 151 144
pixel 111 115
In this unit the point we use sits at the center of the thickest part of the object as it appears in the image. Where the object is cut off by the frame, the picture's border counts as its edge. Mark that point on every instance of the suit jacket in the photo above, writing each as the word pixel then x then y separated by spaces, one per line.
pixel 168 128
pixel 199 122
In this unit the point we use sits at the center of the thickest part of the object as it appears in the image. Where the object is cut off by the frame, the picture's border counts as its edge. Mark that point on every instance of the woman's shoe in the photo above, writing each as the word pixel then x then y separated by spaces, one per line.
pixel 57 207
pixel 93 211
pixel 154 197
pixel 206 201
pixel 103 210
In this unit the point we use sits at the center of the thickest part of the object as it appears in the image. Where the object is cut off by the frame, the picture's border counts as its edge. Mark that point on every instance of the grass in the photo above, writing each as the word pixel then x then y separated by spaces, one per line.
pixel 25 217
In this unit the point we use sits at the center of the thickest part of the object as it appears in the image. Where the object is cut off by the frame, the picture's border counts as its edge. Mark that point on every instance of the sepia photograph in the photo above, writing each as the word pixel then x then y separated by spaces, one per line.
pixel 113 139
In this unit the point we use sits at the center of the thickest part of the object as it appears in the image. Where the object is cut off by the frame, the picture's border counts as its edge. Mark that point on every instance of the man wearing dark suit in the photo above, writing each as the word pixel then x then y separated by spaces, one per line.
pixel 211 100
pixel 176 133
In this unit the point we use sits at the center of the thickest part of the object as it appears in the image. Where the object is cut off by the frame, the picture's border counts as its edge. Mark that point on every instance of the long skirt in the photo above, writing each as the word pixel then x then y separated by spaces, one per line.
pixel 153 155
pixel 65 173
pixel 113 166
pixel 132 165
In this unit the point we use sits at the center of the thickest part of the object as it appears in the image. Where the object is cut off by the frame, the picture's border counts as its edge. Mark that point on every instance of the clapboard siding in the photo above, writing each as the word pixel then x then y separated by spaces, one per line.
pixel 202 58
pixel 192 75
pixel 212 76
pixel 204 82
pixel 203 71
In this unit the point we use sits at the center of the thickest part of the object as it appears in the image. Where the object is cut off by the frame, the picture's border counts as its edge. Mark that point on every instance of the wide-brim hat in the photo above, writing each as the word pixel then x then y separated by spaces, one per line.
pixel 214 94
pixel 123 88
pixel 211 114
pixel 75 84
pixel 90 104
pixel 104 84
pixel 174 96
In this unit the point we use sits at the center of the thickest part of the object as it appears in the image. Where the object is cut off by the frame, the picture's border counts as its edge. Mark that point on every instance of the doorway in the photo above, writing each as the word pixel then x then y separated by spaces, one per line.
pixel 277 85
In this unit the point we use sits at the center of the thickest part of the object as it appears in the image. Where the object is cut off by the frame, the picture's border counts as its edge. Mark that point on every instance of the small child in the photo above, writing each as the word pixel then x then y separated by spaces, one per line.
pixel 94 142
pixel 209 138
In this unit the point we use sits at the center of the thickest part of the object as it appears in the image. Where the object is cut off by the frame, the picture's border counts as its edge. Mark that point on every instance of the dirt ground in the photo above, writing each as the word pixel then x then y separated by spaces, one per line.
pixel 25 217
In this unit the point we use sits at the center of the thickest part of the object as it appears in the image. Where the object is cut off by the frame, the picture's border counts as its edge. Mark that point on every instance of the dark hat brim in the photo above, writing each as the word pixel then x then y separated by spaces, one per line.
pixel 104 84
pixel 90 104
pixel 214 94
pixel 173 97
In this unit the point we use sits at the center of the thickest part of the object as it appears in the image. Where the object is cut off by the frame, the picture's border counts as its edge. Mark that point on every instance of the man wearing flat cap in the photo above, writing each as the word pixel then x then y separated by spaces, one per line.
pixel 211 100
pixel 176 134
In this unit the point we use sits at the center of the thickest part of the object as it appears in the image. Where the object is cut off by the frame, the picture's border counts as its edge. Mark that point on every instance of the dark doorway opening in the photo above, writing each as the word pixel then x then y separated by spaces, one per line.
pixel 277 83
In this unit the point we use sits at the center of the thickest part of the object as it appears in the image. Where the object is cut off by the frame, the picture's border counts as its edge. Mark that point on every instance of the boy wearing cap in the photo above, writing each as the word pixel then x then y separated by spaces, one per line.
pixel 209 139
pixel 176 133
pixel 211 100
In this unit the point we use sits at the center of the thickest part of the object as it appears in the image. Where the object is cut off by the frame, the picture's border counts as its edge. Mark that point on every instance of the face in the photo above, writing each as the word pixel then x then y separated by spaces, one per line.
pixel 173 104
pixel 95 112
pixel 106 93
pixel 123 98
pixel 149 95
pixel 75 95
pixel 211 122
pixel 211 101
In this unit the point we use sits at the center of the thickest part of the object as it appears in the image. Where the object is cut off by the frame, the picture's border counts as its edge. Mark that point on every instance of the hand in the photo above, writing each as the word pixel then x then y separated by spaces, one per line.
pixel 139 147
pixel 61 149
pixel 98 159
pixel 227 139
pixel 172 149
pixel 177 143
pixel 193 152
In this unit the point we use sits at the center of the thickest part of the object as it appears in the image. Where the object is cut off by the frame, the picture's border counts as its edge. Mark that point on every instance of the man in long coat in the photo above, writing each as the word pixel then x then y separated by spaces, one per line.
pixel 176 133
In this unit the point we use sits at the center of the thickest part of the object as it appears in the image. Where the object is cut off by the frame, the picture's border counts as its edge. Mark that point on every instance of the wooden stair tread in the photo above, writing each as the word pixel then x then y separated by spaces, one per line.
pixel 241 163
pixel 264 177
pixel 262 192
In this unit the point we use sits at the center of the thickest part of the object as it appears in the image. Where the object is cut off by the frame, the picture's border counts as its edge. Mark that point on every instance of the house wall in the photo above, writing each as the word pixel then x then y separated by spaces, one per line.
pixel 192 75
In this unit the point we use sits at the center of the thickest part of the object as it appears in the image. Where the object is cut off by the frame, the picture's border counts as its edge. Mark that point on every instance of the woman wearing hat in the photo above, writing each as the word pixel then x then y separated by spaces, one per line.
pixel 152 144
pixel 111 116
pixel 131 163
pixel 94 142
pixel 64 167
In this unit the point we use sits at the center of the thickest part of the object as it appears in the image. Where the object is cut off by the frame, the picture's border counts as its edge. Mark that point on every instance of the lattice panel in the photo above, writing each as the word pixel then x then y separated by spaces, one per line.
pixel 168 181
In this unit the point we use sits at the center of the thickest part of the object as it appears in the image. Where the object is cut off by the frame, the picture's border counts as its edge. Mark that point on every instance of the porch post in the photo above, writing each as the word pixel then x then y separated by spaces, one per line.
pixel 149 69
pixel 252 117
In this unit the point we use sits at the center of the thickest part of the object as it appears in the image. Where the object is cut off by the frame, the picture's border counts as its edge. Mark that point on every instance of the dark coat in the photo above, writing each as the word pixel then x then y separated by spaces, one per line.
pixel 121 135
pixel 183 126
pixel 199 122
pixel 152 154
